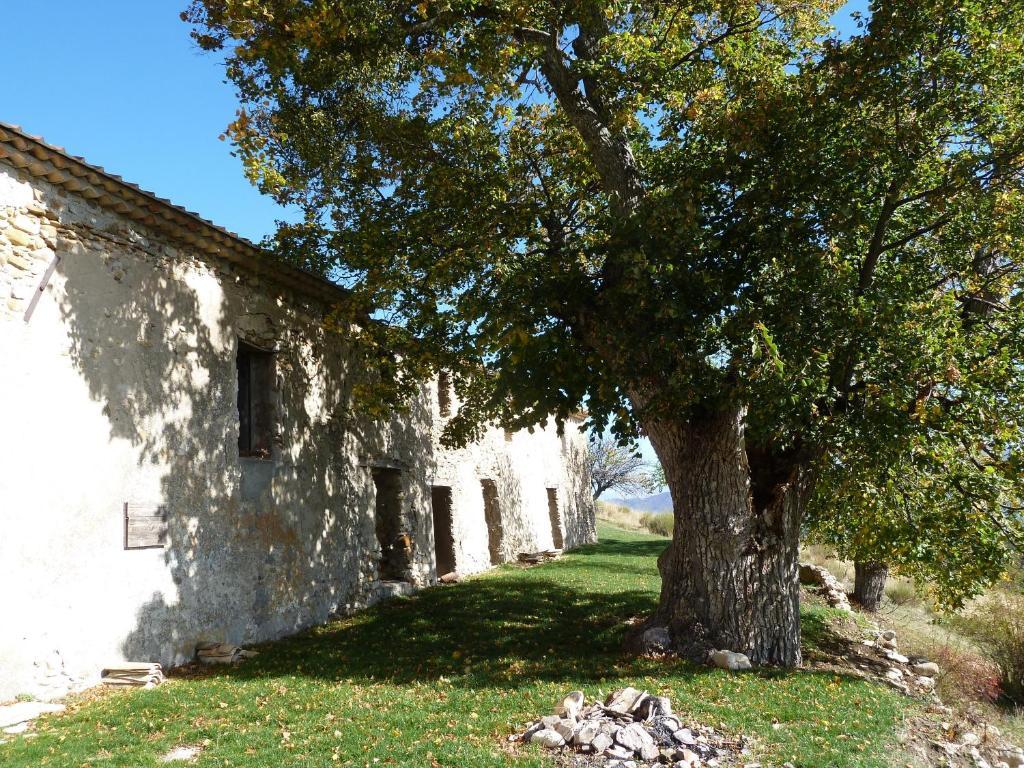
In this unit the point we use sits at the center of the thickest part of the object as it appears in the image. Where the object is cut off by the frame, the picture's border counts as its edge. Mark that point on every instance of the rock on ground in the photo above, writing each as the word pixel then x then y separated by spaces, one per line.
pixel 23 711
pixel 656 640
pixel 548 738
pixel 734 662
pixel 181 753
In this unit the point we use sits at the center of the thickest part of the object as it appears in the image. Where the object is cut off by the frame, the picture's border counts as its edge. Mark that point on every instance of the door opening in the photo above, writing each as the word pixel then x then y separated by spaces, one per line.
pixel 444 534
pixel 492 516
pixel 392 532
pixel 556 519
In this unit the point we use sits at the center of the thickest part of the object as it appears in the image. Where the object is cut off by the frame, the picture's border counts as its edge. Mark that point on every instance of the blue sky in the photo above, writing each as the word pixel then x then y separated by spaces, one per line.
pixel 121 83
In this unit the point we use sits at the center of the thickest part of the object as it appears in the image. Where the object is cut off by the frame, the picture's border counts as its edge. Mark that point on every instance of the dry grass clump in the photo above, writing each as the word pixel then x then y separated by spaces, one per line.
pixel 902 591
pixel 619 516
pixel 822 556
pixel 659 523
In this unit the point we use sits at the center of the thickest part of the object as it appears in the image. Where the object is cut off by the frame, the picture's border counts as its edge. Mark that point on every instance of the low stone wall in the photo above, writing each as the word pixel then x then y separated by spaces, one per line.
pixel 119 385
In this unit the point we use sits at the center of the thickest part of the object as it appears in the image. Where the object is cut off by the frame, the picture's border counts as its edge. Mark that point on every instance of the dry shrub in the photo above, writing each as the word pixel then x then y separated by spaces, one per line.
pixel 660 523
pixel 821 555
pixel 818 554
pixel 841 569
pixel 996 622
pixel 966 675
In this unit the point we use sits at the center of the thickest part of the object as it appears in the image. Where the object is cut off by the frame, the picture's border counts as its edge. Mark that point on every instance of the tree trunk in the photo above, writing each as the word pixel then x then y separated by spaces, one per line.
pixel 869 583
pixel 730 578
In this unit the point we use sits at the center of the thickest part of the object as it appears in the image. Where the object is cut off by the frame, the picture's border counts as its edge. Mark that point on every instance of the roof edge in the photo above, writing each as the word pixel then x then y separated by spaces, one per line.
pixel 56 166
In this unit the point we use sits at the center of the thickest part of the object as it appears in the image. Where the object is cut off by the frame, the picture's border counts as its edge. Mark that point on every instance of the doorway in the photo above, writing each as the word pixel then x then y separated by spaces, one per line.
pixel 444 534
pixel 395 541
pixel 492 517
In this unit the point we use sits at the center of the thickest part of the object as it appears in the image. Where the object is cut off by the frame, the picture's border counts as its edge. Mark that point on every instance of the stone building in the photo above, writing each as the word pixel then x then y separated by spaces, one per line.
pixel 181 457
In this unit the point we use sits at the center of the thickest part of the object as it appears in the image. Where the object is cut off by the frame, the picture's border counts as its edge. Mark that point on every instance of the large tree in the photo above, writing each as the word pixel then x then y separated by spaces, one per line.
pixel 711 221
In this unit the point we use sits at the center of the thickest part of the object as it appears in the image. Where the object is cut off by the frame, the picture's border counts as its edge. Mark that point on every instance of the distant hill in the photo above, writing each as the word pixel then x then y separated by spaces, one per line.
pixel 659 502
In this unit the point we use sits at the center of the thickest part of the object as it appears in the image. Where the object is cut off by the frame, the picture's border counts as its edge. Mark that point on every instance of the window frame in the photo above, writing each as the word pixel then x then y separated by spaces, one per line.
pixel 255 433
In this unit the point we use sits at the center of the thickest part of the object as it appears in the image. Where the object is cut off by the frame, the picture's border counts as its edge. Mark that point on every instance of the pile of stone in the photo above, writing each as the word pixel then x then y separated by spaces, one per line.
pixel 536 558
pixel 828 586
pixel 222 653
pixel 143 674
pixel 631 729
pixel 960 741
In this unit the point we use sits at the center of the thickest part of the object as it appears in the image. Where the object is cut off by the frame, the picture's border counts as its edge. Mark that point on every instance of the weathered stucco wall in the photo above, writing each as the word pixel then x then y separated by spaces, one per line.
pixel 523 466
pixel 122 386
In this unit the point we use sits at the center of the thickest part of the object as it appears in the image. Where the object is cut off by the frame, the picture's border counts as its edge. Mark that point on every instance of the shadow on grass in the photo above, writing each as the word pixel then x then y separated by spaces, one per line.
pixel 621 547
pixel 483 633
pixel 562 622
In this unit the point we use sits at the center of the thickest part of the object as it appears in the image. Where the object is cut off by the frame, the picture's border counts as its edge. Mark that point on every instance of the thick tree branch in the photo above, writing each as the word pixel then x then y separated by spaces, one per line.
pixel 875 249
pixel 613 159
pixel 919 232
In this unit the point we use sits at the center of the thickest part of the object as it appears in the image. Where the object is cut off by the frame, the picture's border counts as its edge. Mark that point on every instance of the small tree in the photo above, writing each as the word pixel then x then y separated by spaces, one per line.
pixel 614 467
pixel 938 520
pixel 869 577
pixel 791 221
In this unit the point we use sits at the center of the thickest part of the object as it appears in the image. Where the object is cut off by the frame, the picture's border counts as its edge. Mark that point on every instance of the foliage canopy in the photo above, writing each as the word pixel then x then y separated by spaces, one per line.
pixel 654 209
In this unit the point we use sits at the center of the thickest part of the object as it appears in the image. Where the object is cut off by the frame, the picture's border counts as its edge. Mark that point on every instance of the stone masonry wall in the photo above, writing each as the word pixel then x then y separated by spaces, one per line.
pixel 121 386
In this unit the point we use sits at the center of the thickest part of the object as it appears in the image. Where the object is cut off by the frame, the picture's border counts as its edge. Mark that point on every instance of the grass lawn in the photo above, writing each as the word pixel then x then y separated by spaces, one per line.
pixel 442 678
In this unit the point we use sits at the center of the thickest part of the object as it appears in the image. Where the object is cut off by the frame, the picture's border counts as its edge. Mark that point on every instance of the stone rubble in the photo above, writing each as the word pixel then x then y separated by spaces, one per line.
pixel 536 558
pixel 940 739
pixel 961 742
pixel 631 728
pixel 828 586
pixel 909 676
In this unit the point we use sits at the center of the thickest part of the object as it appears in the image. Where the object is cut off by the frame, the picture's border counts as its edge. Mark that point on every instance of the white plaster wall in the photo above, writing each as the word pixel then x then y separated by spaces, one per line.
pixel 122 387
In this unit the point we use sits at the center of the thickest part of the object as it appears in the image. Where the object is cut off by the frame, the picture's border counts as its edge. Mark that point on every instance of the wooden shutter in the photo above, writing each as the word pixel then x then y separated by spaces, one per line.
pixel 145 526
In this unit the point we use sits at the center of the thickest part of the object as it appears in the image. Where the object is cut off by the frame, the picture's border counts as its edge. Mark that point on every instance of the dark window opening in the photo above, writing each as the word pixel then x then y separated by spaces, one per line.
pixel 444 534
pixel 492 517
pixel 508 435
pixel 392 534
pixel 255 401
pixel 444 394
pixel 556 519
